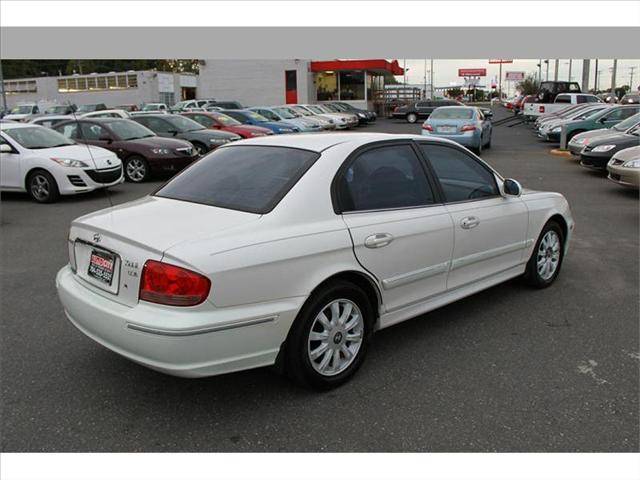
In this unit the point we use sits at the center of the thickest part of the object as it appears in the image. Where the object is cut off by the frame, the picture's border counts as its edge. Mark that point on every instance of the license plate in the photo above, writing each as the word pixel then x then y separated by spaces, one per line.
pixel 101 266
pixel 446 129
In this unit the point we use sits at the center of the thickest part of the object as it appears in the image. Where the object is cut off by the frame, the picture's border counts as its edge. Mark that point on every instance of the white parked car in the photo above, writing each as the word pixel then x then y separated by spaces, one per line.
pixel 112 113
pixel 46 164
pixel 50 121
pixel 533 110
pixel 295 249
pixel 22 112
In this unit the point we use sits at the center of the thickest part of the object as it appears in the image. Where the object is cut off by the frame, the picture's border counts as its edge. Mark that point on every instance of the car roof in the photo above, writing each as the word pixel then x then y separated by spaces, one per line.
pixel 12 125
pixel 319 142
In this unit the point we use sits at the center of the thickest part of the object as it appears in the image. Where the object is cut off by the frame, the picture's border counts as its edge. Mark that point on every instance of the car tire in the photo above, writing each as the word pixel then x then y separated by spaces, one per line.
pixel 412 117
pixel 43 187
pixel 546 259
pixel 136 169
pixel 478 149
pixel 488 145
pixel 310 361
pixel 200 148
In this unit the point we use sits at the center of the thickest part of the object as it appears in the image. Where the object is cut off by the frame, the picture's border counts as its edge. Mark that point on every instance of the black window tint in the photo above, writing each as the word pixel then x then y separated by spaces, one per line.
pixel 385 177
pixel 204 120
pixel 422 104
pixel 564 99
pixel 247 178
pixel 92 131
pixel 157 125
pixel 461 176
pixel 629 112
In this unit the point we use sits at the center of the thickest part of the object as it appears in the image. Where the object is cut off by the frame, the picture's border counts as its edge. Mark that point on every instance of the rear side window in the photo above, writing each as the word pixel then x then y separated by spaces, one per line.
pixel 247 178
pixel 563 99
pixel 461 176
pixel 383 178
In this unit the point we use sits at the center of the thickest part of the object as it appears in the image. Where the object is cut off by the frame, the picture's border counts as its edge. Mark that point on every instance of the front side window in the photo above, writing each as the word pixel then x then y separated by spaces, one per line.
pixel 461 176
pixel 563 99
pixel 130 130
pixel 384 178
pixel 155 124
pixel 70 130
pixel 184 124
pixel 246 178
pixel 91 131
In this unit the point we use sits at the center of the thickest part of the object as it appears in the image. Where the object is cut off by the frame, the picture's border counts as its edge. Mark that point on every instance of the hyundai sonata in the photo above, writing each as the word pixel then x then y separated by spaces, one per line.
pixel 294 250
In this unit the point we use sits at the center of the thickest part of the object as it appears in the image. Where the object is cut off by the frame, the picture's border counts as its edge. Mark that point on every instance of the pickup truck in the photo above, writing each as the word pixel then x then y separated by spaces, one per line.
pixel 532 110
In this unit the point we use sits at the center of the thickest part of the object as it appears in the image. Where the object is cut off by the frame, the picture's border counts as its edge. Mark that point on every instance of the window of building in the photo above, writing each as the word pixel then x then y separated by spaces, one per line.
pixel 167 98
pixel 352 85
pixel 83 83
pixel 327 86
pixel 12 87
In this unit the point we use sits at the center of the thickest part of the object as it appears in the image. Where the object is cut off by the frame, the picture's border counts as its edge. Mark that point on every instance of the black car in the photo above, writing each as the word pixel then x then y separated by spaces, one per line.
pixel 364 116
pixel 178 126
pixel 225 104
pixel 630 98
pixel 599 151
pixel 549 90
pixel 422 109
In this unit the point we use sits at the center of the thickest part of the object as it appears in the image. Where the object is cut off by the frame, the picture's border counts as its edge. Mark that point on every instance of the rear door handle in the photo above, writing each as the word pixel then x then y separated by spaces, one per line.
pixel 470 222
pixel 378 240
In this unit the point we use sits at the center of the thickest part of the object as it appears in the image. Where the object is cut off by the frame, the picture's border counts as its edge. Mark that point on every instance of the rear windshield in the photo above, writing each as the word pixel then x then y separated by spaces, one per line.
pixel 452 114
pixel 247 178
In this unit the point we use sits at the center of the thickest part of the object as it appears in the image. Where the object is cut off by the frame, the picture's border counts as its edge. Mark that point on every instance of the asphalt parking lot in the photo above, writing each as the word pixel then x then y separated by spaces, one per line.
pixel 508 369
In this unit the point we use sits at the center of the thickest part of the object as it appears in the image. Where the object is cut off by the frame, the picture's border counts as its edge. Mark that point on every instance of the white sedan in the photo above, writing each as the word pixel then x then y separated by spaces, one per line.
pixel 294 250
pixel 46 164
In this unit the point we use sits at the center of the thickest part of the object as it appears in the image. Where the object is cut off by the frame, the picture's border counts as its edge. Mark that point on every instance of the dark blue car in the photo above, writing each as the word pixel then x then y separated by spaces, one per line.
pixel 248 117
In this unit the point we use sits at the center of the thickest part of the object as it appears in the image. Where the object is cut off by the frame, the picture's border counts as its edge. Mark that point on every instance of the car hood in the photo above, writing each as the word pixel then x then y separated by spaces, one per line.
pixel 631 153
pixel 618 139
pixel 16 116
pixel 250 129
pixel 158 223
pixel 95 157
pixel 270 125
pixel 160 142
pixel 206 134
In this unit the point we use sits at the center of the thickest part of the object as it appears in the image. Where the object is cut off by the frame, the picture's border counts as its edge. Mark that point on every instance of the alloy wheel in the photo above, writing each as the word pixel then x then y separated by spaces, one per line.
pixel 40 187
pixel 548 255
pixel 136 170
pixel 335 337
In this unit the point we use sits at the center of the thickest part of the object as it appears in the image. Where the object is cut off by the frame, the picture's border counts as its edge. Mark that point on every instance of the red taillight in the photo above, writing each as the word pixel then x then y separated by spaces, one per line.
pixel 541 109
pixel 467 128
pixel 427 127
pixel 170 285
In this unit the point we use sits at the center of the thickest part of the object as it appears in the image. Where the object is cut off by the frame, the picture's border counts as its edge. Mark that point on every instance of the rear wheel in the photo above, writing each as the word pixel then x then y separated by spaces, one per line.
pixel 545 262
pixel 200 148
pixel 412 118
pixel 136 169
pixel 43 187
pixel 573 134
pixel 329 339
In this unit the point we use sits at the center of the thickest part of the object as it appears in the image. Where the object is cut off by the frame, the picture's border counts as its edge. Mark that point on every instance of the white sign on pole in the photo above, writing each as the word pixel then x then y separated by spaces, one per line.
pixel 514 76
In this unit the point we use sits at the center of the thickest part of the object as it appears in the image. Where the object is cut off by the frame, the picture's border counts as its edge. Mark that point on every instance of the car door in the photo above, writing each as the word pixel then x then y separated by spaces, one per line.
pixel 10 167
pixel 401 232
pixel 423 108
pixel 489 229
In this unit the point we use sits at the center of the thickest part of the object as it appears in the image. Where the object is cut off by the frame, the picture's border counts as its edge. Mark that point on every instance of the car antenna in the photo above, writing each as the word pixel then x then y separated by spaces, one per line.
pixel 95 165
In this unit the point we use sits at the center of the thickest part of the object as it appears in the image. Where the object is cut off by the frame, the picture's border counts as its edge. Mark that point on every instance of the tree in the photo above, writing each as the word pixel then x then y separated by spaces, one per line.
pixel 529 86
pixel 454 92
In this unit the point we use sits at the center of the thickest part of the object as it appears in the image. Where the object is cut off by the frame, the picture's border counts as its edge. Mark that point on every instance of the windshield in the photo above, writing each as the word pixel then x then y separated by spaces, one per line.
pixel 587 114
pixel 628 123
pixel 87 108
pixel 256 116
pixel 21 109
pixel 635 131
pixel 151 107
pixel 301 111
pixel 225 120
pixel 286 113
pixel 315 109
pixel 184 124
pixel 452 114
pixel 247 178
pixel 130 130
pixel 38 137
pixel 59 109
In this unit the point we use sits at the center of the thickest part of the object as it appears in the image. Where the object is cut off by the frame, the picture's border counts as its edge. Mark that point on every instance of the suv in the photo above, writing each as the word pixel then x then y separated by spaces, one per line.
pixel 630 98
pixel 549 90
pixel 421 109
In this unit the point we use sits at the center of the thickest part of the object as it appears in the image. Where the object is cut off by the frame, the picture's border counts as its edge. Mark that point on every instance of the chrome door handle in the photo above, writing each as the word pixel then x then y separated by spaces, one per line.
pixel 470 222
pixel 378 240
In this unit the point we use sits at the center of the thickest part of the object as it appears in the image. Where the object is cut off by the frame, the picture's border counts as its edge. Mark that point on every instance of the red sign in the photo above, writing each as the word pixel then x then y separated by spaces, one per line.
pixel 472 72
pixel 514 76
pixel 500 60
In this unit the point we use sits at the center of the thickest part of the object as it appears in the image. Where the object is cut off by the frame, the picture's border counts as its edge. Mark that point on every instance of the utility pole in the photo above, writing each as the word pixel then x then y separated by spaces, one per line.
pixel 547 74
pixel 540 71
pixel 595 82
pixel 4 95
pixel 425 78
pixel 569 70
pixel 500 82
pixel 613 77
pixel 555 71
pixel 431 72
pixel 632 69
pixel 585 74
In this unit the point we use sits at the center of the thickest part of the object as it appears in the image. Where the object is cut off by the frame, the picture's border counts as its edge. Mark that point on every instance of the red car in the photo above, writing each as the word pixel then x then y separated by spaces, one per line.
pixel 220 121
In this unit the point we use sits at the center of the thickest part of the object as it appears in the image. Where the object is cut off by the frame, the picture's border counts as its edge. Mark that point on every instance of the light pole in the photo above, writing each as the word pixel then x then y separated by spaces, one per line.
pixel 569 69
pixel 631 70
pixel 595 82
pixel 613 77
pixel 547 74
pixel 555 70
pixel 4 95
pixel 431 71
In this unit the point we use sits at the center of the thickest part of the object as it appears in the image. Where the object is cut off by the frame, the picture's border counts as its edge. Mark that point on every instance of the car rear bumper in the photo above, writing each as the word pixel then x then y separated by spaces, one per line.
pixel 471 140
pixel 199 343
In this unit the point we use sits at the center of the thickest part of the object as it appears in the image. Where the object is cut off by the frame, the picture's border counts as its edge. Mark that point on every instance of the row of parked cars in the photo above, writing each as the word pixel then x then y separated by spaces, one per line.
pixel 62 154
pixel 602 136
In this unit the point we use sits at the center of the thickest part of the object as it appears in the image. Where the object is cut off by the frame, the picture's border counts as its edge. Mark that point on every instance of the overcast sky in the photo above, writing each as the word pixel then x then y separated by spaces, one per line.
pixel 446 71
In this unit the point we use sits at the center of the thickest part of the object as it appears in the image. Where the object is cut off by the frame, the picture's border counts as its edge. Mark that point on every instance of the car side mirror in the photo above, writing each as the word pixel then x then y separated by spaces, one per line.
pixel 106 139
pixel 173 132
pixel 487 113
pixel 512 187
pixel 5 148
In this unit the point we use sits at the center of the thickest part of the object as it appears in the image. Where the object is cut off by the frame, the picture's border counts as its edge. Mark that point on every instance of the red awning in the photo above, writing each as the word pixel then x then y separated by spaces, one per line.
pixel 376 66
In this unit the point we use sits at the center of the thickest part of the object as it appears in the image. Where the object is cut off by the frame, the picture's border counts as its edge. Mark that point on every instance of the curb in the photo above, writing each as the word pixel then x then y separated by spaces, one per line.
pixel 561 153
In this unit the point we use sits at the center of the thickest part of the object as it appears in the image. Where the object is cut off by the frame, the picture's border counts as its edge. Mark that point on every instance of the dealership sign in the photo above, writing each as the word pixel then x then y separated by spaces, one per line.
pixel 472 72
pixel 500 60
pixel 515 76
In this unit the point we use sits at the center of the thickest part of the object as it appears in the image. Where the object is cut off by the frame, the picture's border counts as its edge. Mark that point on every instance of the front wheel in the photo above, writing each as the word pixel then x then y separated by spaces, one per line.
pixel 412 118
pixel 545 262
pixel 329 339
pixel 136 169
pixel 43 187
pixel 200 149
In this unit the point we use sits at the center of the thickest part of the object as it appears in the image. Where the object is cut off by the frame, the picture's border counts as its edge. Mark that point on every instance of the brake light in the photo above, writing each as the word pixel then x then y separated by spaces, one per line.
pixel 170 285
pixel 467 128
pixel 541 109
pixel 427 127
